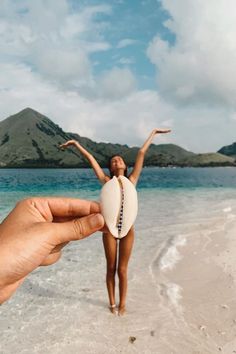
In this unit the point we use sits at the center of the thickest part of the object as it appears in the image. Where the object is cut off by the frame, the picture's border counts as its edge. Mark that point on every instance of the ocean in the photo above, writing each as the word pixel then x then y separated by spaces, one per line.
pixel 16 184
pixel 63 308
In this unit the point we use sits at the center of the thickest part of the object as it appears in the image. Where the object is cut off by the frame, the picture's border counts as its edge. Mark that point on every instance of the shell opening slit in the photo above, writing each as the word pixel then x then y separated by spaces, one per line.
pixel 121 212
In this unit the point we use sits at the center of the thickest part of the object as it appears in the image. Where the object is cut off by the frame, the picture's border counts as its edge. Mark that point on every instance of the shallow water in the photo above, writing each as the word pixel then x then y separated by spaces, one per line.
pixel 63 308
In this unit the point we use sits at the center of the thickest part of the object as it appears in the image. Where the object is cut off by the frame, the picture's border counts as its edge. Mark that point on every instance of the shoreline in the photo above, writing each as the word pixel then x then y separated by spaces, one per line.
pixel 180 294
pixel 105 167
pixel 200 292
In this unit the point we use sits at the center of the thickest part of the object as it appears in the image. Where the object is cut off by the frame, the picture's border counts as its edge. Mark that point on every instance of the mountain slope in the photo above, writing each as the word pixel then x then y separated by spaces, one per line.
pixel 30 139
pixel 229 150
pixel 210 160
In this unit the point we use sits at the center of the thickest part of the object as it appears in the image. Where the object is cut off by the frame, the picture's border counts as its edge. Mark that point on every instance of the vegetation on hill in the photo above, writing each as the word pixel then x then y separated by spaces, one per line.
pixel 30 139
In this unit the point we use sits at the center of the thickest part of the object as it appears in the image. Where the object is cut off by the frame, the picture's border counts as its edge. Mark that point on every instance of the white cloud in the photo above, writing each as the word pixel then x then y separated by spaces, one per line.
pixel 55 42
pixel 126 42
pixel 116 83
pixel 84 24
pixel 46 63
pixel 126 61
pixel 200 67
pixel 67 68
pixel 128 120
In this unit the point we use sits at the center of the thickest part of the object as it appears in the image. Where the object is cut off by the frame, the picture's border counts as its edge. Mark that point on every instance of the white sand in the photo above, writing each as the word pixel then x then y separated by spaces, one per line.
pixel 205 314
pixel 175 305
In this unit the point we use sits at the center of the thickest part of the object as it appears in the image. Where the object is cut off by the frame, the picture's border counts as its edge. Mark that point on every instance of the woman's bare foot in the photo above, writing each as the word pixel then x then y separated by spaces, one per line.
pixel 121 310
pixel 112 308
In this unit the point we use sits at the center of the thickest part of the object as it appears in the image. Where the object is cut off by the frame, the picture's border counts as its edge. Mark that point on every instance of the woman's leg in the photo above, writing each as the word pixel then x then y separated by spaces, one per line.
pixel 125 248
pixel 110 247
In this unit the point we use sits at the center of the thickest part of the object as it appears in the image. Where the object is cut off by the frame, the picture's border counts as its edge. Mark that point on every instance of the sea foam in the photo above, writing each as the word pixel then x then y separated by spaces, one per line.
pixel 171 256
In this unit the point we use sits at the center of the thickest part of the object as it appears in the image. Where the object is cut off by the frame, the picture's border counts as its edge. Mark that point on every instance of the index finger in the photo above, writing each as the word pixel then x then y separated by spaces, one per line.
pixel 65 207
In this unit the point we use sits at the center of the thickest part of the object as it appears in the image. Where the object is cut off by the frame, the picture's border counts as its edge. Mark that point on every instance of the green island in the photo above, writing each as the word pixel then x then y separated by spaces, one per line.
pixel 29 139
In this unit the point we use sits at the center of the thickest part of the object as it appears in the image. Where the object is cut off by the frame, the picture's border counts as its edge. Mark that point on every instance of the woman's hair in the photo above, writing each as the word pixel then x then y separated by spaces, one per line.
pixel 109 166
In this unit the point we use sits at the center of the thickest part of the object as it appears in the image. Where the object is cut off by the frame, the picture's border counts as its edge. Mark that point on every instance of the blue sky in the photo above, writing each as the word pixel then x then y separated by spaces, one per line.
pixel 113 71
pixel 139 21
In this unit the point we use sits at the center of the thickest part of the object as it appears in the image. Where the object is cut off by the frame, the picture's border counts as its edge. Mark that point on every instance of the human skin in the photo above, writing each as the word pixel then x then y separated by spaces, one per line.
pixel 118 262
pixel 36 230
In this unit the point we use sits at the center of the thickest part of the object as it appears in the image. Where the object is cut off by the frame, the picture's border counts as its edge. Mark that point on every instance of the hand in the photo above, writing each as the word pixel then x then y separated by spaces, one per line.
pixel 68 143
pixel 36 230
pixel 160 131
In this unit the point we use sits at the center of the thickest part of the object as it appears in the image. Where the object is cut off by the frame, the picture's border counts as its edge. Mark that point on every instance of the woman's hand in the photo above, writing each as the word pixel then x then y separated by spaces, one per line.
pixel 160 131
pixel 68 143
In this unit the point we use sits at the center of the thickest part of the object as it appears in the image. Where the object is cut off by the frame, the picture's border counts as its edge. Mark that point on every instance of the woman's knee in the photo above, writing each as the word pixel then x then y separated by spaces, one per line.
pixel 122 271
pixel 111 270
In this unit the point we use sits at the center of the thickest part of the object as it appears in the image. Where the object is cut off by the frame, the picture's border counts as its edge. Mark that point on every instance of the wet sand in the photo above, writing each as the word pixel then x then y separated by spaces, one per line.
pixel 205 312
pixel 181 295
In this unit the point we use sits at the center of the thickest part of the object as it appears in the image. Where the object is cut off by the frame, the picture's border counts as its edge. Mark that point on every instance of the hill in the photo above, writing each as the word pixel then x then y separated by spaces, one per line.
pixel 30 139
pixel 229 150
pixel 210 160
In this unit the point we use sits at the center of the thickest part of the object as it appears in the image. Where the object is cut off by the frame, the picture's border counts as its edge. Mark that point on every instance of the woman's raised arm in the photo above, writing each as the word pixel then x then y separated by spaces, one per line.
pixel 93 162
pixel 134 176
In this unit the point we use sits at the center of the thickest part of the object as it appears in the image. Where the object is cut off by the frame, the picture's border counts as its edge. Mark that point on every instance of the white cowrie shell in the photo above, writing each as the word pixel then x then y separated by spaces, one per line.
pixel 111 204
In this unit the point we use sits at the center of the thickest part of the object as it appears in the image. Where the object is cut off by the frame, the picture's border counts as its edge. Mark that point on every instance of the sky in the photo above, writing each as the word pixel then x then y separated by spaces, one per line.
pixel 114 70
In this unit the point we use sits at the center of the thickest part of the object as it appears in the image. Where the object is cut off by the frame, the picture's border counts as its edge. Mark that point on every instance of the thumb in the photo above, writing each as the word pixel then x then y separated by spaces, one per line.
pixel 77 229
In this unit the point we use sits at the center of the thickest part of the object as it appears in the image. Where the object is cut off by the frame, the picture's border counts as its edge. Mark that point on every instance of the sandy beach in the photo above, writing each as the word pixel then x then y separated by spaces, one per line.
pixel 205 306
pixel 181 296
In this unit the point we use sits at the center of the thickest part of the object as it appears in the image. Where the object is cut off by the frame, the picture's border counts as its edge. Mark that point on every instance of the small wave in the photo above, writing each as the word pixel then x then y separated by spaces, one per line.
pixel 173 293
pixel 172 255
pixel 227 210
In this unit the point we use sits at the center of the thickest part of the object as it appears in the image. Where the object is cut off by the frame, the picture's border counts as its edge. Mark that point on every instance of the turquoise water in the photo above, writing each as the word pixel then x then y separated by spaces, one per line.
pixel 16 184
pixel 70 297
pixel 63 180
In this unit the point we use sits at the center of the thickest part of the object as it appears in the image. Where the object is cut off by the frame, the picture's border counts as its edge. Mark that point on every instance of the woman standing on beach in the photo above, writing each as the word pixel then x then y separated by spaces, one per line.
pixel 117 167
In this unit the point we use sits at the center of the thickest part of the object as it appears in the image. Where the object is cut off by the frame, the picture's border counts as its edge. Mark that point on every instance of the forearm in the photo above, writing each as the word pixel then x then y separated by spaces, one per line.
pixel 147 143
pixel 93 162
pixel 83 151
pixel 140 159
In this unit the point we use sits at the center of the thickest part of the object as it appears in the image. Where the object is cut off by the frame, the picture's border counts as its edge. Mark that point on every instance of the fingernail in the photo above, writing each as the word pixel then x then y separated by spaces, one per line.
pixel 96 221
